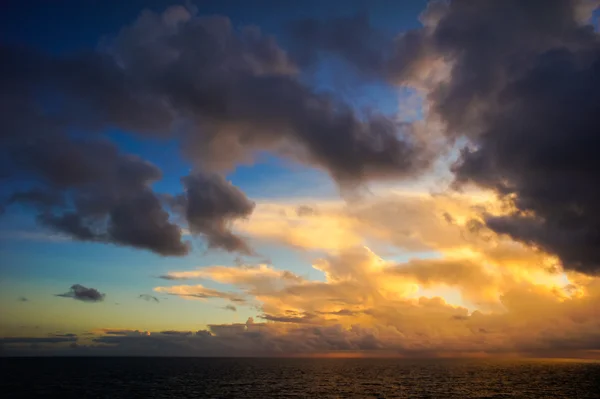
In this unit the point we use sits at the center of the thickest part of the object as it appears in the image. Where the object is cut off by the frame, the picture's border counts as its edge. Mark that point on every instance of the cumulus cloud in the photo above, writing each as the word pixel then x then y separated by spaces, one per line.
pixel 533 131
pixel 81 293
pixel 93 192
pixel 210 205
pixel 473 296
pixel 367 303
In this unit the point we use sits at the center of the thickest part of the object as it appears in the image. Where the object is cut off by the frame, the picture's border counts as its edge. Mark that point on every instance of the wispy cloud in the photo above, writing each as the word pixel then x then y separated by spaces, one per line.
pixel 149 298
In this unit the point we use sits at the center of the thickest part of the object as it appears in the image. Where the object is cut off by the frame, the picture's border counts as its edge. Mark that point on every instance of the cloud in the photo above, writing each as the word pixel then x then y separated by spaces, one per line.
pixel 37 340
pixel 178 333
pixel 210 205
pixel 474 295
pixel 22 299
pixel 230 307
pixel 148 298
pixel 533 133
pixel 81 293
pixel 351 38
pixel 366 304
pixel 169 277
pixel 110 192
pixel 305 210
pixel 112 331
pixel 199 292
pixel 225 94
pixel 502 88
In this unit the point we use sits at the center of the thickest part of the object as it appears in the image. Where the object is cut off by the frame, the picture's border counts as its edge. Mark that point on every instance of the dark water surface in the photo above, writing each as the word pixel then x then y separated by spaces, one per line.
pixel 295 378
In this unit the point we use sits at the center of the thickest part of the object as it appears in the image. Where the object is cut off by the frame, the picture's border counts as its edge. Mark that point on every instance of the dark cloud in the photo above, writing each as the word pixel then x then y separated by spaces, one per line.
pixel 36 340
pixel 84 294
pixel 65 335
pixel 230 307
pixel 121 332
pixel 108 192
pixel 241 94
pixel 528 96
pixel 22 299
pixel 177 333
pixel 148 298
pixel 210 205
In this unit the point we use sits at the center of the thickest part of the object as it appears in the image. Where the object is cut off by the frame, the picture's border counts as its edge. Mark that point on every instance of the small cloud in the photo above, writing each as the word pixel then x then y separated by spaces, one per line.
pixel 65 335
pixel 148 298
pixel 230 307
pixel 84 294
pixel 22 299
pixel 449 218
pixel 171 277
pixel 305 210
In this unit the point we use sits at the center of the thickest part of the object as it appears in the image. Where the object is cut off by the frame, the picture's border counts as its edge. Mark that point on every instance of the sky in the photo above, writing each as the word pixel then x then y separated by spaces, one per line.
pixel 273 178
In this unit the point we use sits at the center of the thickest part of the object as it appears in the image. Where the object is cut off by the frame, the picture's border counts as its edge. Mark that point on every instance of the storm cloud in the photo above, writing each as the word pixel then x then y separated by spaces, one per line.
pixel 527 93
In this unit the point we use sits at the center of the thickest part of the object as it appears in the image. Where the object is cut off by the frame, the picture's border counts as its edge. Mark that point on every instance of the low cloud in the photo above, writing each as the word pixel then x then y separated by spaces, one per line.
pixel 81 293
pixel 37 340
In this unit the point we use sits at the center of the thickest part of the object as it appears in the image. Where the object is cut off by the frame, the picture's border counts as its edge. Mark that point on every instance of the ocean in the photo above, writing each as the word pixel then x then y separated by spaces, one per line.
pixel 296 378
